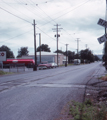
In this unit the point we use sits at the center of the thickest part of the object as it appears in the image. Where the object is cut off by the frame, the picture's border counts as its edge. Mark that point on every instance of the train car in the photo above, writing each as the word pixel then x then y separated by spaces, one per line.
pixel 26 62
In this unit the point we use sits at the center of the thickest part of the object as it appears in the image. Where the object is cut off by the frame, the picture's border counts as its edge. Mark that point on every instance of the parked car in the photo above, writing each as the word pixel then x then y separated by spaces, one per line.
pixel 44 65
pixel 54 65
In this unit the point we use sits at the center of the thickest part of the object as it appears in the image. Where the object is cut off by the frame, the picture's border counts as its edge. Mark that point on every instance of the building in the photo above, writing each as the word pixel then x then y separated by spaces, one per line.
pixel 49 57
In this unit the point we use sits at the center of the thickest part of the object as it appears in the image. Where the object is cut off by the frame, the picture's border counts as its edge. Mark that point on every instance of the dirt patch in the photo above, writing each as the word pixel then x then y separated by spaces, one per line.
pixel 104 78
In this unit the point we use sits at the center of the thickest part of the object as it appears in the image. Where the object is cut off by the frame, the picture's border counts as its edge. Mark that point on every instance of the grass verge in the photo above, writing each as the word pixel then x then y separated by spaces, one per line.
pixel 87 111
pixel 4 73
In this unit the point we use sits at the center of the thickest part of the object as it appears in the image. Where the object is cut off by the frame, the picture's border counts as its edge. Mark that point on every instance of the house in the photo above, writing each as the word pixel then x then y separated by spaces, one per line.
pixel 49 57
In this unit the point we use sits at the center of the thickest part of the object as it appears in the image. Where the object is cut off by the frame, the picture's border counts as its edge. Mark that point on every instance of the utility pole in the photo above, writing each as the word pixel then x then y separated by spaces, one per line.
pixel 86 46
pixel 77 45
pixel 40 45
pixel 106 18
pixel 35 66
pixel 66 55
pixel 77 48
pixel 57 36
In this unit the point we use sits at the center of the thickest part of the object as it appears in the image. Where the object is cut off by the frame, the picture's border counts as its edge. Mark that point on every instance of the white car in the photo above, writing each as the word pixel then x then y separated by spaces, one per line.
pixel 54 65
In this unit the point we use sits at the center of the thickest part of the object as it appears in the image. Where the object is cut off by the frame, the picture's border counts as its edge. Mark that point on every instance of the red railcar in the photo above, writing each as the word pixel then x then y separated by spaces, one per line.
pixel 26 62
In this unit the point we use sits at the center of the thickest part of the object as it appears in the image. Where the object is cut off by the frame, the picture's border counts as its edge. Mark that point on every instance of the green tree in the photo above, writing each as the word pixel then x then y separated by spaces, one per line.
pixel 70 55
pixel 87 55
pixel 43 47
pixel 59 51
pixel 9 53
pixel 23 51
pixel 96 58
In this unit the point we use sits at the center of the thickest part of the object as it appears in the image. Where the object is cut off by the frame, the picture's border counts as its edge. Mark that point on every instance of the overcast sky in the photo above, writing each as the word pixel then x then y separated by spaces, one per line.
pixel 77 18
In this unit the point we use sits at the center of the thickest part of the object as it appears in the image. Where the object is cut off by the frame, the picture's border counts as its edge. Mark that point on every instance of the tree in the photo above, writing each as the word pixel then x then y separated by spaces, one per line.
pixel 23 51
pixel 43 47
pixel 9 53
pixel 59 51
pixel 87 55
pixel 70 55
pixel 96 58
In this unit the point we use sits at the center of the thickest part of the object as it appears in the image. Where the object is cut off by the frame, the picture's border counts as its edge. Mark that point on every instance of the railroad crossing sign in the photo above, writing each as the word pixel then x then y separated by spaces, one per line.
pixel 104 24
pixel 102 38
pixel 2 56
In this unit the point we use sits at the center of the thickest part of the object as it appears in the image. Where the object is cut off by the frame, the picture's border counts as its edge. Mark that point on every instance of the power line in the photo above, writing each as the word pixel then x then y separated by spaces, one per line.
pixel 14 8
pixel 67 12
pixel 14 15
pixel 71 10
pixel 15 36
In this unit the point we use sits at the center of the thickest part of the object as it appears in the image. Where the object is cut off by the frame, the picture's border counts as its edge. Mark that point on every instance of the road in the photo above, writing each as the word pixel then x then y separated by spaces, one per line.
pixel 40 95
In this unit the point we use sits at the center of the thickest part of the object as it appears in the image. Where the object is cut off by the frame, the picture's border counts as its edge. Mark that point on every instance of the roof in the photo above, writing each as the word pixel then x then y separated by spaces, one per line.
pixel 46 53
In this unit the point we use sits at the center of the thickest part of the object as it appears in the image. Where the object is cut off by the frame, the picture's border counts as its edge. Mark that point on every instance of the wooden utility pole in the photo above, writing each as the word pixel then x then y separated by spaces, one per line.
pixel 106 18
pixel 57 36
pixel 35 66
pixel 77 45
pixel 66 55
pixel 40 45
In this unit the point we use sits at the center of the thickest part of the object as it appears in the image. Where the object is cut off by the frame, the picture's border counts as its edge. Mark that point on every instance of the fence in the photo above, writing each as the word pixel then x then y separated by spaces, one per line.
pixel 18 67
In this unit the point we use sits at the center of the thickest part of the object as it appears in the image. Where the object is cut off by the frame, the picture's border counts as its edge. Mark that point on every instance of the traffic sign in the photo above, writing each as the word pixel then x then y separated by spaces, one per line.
pixel 2 55
pixel 102 38
pixel 102 22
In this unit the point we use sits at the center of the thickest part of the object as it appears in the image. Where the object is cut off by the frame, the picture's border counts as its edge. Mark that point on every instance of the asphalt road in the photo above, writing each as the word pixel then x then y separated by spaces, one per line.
pixel 40 95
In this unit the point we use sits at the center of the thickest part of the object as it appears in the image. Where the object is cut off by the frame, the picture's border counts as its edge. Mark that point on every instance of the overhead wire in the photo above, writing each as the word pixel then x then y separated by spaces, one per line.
pixel 27 6
pixel 16 36
pixel 68 11
pixel 30 22
pixel 15 15
pixel 15 9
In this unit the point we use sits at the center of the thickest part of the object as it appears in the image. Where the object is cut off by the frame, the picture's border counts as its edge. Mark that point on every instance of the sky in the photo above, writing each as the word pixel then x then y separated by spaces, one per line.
pixel 77 19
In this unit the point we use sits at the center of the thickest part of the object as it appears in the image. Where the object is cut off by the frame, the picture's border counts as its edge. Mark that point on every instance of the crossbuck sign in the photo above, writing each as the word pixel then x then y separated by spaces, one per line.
pixel 102 38
pixel 2 56
pixel 104 24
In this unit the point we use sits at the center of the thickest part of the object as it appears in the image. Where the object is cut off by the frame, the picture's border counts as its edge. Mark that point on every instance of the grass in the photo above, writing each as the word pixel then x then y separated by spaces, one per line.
pixel 87 111
pixel 4 73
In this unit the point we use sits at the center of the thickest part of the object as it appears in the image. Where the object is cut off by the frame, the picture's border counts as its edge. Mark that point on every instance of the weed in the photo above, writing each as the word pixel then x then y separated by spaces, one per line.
pixel 4 73
pixel 89 111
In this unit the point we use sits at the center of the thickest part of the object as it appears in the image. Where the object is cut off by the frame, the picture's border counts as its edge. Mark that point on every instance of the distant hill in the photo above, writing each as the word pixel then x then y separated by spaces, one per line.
pixel 100 56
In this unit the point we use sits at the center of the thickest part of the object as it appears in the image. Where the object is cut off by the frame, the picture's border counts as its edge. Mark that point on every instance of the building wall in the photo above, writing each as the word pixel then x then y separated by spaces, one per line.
pixel 61 59
pixel 48 58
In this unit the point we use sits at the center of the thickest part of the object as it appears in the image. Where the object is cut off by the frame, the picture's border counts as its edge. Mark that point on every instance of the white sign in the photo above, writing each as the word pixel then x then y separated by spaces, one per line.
pixel 102 22
pixel 102 38
pixel 2 56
